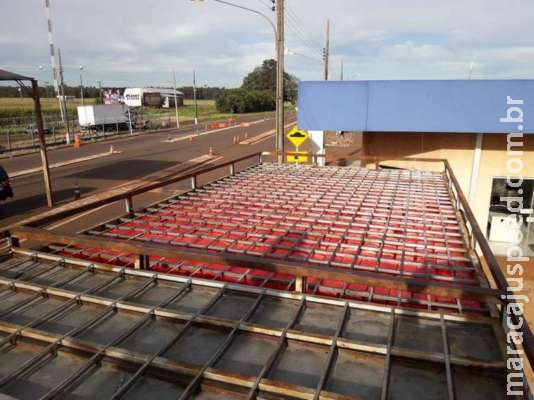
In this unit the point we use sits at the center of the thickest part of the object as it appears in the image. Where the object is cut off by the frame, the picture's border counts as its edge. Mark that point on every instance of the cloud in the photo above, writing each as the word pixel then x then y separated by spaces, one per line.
pixel 140 41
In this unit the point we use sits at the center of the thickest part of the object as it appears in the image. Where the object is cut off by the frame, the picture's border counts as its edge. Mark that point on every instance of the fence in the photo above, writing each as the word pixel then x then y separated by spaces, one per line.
pixel 19 134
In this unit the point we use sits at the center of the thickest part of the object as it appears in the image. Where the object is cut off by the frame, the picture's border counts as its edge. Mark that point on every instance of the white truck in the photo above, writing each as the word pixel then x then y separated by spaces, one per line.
pixel 104 116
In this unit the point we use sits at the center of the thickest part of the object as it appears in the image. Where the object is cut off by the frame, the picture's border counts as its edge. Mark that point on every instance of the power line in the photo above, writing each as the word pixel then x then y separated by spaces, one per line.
pixel 296 19
pixel 302 39
pixel 293 24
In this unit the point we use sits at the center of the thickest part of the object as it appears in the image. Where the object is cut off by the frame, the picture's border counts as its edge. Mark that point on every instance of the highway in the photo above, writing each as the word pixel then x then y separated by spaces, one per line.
pixel 133 158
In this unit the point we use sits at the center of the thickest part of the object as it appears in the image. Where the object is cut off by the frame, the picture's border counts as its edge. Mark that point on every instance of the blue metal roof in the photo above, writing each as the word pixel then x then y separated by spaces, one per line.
pixel 415 106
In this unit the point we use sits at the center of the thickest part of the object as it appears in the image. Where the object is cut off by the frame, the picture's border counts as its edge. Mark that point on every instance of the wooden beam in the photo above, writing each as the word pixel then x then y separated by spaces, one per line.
pixel 270 265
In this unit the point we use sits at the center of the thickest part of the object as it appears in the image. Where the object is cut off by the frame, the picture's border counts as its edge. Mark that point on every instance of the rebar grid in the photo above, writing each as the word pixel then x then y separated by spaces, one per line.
pixel 338 340
pixel 257 278
pixel 385 221
pixel 399 222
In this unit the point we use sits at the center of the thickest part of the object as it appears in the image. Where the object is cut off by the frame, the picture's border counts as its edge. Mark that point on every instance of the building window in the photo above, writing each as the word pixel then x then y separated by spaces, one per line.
pixel 497 229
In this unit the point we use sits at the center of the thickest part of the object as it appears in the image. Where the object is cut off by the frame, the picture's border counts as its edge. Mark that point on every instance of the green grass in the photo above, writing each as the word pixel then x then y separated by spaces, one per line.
pixel 17 107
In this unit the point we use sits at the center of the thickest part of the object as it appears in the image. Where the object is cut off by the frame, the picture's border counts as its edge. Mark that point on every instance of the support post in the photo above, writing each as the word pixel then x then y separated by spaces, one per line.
pixel 128 204
pixel 232 169
pixel 280 48
pixel 475 168
pixel 193 182
pixel 300 284
pixel 142 262
pixel 42 144
pixel 13 241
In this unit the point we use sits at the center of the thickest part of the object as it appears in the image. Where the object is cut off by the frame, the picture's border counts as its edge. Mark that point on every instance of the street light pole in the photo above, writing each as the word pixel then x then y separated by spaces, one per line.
pixel 278 31
pixel 280 48
pixel 195 96
pixel 327 50
pixel 81 85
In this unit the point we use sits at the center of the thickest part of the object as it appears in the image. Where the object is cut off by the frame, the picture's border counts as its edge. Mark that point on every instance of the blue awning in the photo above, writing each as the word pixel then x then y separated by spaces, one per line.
pixel 415 106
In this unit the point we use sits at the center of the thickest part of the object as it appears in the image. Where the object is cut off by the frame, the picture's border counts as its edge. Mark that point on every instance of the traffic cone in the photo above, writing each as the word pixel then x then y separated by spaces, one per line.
pixel 77 193
pixel 77 142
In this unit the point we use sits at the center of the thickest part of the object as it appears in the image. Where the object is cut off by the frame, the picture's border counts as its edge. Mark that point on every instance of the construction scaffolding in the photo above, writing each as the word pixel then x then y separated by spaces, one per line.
pixel 275 281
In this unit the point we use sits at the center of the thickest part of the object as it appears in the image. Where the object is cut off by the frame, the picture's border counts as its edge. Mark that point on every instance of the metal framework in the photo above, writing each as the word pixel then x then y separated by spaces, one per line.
pixel 396 242
pixel 89 331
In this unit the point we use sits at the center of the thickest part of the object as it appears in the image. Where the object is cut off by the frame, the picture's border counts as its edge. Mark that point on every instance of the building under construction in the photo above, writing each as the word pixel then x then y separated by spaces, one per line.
pixel 272 282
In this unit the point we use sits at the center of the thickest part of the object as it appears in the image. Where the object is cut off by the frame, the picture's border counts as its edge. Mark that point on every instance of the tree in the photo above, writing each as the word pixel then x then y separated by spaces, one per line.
pixel 245 101
pixel 264 78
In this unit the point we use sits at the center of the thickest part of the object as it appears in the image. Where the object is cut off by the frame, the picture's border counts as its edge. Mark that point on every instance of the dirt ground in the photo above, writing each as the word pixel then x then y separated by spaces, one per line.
pixel 340 148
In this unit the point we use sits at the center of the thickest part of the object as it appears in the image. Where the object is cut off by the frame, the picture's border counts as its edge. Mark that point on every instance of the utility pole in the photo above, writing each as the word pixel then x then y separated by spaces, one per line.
pixel 326 50
pixel 280 49
pixel 195 95
pixel 62 94
pixel 55 74
pixel 175 99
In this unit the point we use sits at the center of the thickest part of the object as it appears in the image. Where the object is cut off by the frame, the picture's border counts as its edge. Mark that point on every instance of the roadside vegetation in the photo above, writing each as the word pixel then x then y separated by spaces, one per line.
pixel 258 91
pixel 22 108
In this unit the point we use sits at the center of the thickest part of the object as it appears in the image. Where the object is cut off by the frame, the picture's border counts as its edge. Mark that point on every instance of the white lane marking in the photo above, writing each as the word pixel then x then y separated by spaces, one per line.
pixel 89 212
pixel 179 139
pixel 18 174
pixel 78 216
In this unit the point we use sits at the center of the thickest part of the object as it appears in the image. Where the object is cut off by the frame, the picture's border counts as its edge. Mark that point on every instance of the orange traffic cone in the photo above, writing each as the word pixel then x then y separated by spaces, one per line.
pixel 77 142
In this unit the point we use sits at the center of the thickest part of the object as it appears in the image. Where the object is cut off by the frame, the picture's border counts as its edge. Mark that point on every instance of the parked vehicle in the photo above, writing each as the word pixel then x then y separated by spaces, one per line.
pixel 106 116
pixel 5 186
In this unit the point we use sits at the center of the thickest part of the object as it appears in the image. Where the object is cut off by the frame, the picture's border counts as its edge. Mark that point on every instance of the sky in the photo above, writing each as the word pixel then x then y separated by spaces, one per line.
pixel 140 42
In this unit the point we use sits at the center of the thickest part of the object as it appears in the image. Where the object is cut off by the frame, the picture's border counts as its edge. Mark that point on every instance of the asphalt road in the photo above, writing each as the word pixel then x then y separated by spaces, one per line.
pixel 138 157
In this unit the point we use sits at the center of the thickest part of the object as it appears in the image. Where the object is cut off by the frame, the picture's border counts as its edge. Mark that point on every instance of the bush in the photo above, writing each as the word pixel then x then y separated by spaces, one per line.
pixel 239 101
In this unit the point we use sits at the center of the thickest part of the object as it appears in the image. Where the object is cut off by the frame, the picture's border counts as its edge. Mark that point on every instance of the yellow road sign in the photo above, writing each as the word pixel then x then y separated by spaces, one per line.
pixel 301 157
pixel 297 136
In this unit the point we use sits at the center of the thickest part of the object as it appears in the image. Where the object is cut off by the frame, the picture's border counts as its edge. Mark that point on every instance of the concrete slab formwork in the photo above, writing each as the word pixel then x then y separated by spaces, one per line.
pixel 133 334
pixel 275 282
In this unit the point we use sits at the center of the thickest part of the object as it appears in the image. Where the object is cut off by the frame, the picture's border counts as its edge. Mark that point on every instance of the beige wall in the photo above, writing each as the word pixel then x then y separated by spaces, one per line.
pixel 458 149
